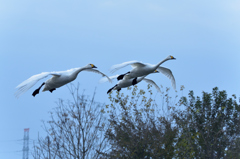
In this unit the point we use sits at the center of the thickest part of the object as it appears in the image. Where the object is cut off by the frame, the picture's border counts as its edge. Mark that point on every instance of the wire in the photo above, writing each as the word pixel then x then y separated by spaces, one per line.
pixel 11 151
pixel 9 140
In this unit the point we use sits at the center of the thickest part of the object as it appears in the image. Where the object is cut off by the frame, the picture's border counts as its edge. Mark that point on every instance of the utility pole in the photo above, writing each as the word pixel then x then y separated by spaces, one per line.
pixel 25 143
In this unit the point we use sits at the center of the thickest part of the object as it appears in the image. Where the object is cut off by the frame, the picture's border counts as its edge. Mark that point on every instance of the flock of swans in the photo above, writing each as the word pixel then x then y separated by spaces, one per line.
pixel 137 74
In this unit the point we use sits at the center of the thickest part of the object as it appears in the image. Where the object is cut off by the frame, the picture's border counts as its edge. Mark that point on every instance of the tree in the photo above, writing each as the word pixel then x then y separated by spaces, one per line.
pixel 208 126
pixel 233 151
pixel 76 130
pixel 136 129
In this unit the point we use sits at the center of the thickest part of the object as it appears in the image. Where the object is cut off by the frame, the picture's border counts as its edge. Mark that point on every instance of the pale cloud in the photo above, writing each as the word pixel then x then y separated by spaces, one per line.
pixel 233 6
pixel 155 7
pixel 7 9
pixel 108 4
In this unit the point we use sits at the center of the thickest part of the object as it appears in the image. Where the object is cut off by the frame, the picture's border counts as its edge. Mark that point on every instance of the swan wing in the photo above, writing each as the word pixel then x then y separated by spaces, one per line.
pixel 105 79
pixel 98 72
pixel 114 68
pixel 138 64
pixel 167 72
pixel 27 84
pixel 149 81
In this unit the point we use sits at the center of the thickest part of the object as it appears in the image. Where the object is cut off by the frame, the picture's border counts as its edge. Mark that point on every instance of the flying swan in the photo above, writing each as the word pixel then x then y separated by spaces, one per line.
pixel 58 79
pixel 125 82
pixel 141 69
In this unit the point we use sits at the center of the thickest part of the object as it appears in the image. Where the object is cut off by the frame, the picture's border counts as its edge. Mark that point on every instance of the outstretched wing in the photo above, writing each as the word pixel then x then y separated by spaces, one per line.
pixel 167 72
pixel 97 71
pixel 105 79
pixel 27 84
pixel 149 81
pixel 134 64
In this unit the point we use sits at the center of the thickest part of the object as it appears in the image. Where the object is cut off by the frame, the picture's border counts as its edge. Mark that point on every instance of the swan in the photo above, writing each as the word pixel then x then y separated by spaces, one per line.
pixel 141 69
pixel 58 79
pixel 126 82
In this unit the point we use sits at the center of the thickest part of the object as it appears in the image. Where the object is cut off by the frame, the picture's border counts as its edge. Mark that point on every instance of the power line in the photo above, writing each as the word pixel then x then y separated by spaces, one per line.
pixel 10 140
pixel 11 151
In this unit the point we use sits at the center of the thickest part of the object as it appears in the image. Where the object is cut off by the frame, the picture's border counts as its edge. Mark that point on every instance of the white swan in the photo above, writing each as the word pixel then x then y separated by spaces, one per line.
pixel 126 82
pixel 141 69
pixel 59 79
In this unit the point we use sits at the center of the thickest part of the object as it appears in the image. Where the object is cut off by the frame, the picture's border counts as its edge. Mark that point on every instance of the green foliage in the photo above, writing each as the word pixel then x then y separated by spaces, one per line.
pixel 233 150
pixel 138 126
pixel 136 130
pixel 208 126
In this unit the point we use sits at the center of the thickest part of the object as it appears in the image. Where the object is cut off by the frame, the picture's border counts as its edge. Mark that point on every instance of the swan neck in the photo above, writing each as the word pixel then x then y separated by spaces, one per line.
pixel 77 71
pixel 161 62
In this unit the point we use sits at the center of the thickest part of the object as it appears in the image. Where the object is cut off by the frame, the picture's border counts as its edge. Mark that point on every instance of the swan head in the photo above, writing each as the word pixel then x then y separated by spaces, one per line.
pixel 91 66
pixel 170 57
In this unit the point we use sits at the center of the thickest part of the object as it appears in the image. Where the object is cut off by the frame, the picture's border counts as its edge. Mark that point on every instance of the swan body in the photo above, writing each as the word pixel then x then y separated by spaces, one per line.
pixel 126 82
pixel 141 69
pixel 57 80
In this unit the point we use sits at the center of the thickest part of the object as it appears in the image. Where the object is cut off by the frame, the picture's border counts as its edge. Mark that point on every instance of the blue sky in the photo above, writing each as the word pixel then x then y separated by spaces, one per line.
pixel 41 35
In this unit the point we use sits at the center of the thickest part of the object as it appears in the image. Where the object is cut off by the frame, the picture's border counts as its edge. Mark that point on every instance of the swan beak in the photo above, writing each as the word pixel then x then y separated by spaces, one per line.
pixel 93 66
pixel 156 71
pixel 173 58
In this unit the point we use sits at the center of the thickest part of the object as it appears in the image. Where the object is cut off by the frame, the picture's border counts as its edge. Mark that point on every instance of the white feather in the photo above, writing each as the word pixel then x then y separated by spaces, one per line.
pixel 114 68
pixel 140 69
pixel 27 84
pixel 126 82
pixel 59 79
pixel 167 72
pixel 105 79
pixel 98 72
pixel 152 83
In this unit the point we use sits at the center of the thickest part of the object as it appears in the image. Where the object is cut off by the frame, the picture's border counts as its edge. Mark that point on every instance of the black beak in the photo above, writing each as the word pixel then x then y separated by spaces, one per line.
pixel 94 67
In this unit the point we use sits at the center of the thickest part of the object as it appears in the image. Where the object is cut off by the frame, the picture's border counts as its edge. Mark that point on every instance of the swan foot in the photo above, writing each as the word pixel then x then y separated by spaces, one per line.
pixel 134 81
pixel 121 76
pixel 37 90
pixel 111 89
pixel 119 89
pixel 52 90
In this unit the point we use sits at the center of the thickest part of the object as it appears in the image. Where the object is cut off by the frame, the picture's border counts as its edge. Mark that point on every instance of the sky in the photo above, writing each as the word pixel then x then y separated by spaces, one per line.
pixel 43 36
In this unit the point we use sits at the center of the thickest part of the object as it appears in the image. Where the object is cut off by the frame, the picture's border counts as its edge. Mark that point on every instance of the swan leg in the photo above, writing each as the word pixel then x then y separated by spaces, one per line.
pixel 121 76
pixel 52 90
pixel 119 89
pixel 111 89
pixel 37 90
pixel 134 81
